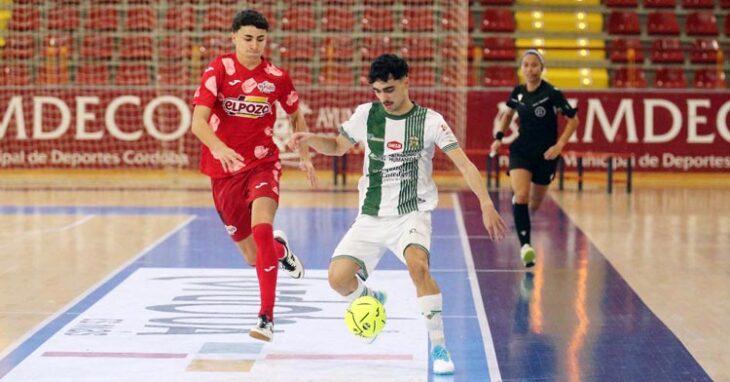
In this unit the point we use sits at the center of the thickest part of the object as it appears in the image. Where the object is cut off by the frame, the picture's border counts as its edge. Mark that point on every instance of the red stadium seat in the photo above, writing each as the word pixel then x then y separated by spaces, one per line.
pixel 500 76
pixel 701 23
pixel 53 74
pixel 341 48
pixel 705 51
pixel 417 20
pixel 691 4
pixel 176 47
pixel 24 19
pixel 92 74
pixel 454 75
pixel 297 48
pixel 97 46
pixel 621 3
pixel 709 78
pixel 378 20
pixel 725 4
pixel 499 49
pixel 623 23
pixel 136 48
pixel 64 18
pixel 217 18
pixel 452 18
pixel 300 74
pixel 662 23
pixel 102 19
pixel 174 74
pixel 338 19
pixel 377 3
pixel 670 78
pixel 180 19
pixel 418 48
pixel 14 75
pixel 457 47
pixel 19 47
pixel 659 3
pixel 58 45
pixel 372 47
pixel 495 2
pixel 726 26
pixel 336 75
pixel 667 50
pixel 498 20
pixel 422 76
pixel 620 50
pixel 141 19
pixel 298 19
pixel 214 46
pixel 132 74
pixel 628 78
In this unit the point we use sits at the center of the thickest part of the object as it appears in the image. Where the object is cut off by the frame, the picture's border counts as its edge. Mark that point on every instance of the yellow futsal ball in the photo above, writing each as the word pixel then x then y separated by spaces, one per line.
pixel 365 317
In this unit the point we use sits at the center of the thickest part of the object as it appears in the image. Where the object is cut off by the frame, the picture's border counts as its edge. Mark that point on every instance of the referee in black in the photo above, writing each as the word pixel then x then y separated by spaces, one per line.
pixel 534 154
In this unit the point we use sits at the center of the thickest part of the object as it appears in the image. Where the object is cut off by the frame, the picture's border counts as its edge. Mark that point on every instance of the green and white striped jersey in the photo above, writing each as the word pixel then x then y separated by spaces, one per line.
pixel 397 168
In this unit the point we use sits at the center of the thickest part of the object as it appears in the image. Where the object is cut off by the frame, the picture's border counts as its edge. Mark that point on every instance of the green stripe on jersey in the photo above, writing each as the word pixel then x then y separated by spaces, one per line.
pixel 376 145
pixel 408 196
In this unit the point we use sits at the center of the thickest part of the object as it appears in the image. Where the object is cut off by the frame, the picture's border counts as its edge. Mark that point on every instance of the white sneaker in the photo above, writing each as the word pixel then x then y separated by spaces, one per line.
pixel 264 329
pixel 442 363
pixel 289 262
pixel 527 253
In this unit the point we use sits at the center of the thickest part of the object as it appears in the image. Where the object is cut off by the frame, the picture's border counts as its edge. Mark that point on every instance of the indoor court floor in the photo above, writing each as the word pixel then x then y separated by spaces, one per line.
pixel 101 284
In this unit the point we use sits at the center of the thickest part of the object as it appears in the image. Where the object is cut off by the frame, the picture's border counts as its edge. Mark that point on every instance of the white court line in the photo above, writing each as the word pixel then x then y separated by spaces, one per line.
pixel 63 228
pixel 12 347
pixel 491 354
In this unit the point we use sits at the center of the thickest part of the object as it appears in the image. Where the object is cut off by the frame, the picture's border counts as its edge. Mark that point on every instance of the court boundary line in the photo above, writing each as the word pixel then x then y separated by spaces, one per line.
pixel 489 351
pixel 18 344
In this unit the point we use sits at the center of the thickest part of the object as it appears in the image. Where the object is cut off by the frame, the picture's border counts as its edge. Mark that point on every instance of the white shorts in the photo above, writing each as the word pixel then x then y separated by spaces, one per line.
pixel 370 236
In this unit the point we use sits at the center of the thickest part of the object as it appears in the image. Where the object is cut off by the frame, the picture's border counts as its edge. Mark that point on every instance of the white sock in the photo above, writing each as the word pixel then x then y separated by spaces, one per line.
pixel 361 290
pixel 431 307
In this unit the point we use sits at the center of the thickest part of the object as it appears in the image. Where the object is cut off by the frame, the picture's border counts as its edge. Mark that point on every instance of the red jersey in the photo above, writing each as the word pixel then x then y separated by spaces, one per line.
pixel 243 114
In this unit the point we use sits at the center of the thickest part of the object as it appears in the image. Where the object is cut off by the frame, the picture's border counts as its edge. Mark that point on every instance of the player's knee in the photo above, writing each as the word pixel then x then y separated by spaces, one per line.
pixel 522 197
pixel 340 281
pixel 419 271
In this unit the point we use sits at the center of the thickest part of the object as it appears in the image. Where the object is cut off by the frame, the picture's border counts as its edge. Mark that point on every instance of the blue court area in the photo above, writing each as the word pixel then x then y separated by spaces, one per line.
pixel 571 318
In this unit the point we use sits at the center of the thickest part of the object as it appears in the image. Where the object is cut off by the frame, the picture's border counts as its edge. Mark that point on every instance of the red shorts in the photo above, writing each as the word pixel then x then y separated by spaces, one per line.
pixel 233 196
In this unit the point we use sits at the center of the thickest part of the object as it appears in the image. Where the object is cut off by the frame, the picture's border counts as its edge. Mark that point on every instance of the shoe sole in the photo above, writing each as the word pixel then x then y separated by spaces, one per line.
pixel 259 336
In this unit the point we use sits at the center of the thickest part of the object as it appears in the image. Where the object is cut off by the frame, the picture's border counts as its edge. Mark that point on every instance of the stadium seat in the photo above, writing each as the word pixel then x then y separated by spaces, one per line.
pixel 132 74
pixel 217 18
pixel 452 18
pixel 175 47
pixel 629 78
pixel 19 47
pixel 418 48
pixel 97 46
pixel 378 20
pixel 92 74
pixel 457 47
pixel 58 45
pixel 499 49
pixel 584 78
pixel 659 3
pixel 372 47
pixel 623 23
pixel 377 3
pixel 666 50
pixel 422 76
pixel 63 18
pixel 14 75
pixel 559 22
pixel 701 23
pixel 454 75
pixel 500 76
pixel 341 48
pixel 619 50
pixel 338 19
pixel 417 20
pixel 297 48
pixel 53 74
pixel 300 74
pixel 696 4
pixel 495 2
pixel 725 4
pixel 709 78
pixel 24 19
pixel 174 74
pixel 180 19
pixel 621 3
pixel 554 49
pixel 298 19
pixel 135 47
pixel 336 75
pixel 141 19
pixel 705 51
pixel 662 23
pixel 213 46
pixel 670 78
pixel 498 20
pixel 102 19
pixel 429 3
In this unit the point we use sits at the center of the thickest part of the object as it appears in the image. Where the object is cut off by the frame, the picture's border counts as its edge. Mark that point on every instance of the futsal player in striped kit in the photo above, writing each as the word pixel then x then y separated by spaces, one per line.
pixel 397 193
pixel 534 155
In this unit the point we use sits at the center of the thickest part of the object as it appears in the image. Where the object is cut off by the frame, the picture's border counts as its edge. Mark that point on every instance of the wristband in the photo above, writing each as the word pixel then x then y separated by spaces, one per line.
pixel 499 136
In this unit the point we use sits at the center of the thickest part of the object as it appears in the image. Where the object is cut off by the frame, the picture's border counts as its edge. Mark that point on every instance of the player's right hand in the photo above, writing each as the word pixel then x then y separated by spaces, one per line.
pixel 229 158
pixel 297 139
pixel 495 147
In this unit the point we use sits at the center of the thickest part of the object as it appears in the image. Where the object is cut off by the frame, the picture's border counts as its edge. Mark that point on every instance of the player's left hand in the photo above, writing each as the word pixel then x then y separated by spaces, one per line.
pixel 496 227
pixel 553 151
pixel 307 167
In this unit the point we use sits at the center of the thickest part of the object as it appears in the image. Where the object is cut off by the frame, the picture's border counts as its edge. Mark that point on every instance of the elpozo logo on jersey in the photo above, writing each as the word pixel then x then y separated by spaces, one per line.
pixel 247 107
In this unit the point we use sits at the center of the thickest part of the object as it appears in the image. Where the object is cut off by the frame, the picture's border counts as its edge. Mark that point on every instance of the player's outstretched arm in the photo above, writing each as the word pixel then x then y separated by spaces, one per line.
pixel 323 144
pixel 299 124
pixel 230 160
pixel 496 228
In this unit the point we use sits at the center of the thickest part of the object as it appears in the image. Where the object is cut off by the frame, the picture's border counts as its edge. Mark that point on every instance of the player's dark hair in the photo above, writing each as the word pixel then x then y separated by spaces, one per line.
pixel 387 66
pixel 249 17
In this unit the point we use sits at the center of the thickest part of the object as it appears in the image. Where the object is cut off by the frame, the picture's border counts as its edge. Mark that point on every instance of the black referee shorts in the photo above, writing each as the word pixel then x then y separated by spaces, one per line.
pixel 543 170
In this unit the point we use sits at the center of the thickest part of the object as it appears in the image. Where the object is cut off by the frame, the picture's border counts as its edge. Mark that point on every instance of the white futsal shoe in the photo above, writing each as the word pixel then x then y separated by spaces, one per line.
pixel 264 329
pixel 442 363
pixel 527 253
pixel 289 262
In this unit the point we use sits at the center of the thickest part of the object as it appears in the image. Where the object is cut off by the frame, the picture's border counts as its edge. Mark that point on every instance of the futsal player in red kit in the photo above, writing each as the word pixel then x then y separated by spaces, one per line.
pixel 234 117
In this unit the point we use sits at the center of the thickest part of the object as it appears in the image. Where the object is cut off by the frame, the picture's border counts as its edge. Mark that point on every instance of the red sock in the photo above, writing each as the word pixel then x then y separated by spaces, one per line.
pixel 266 259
